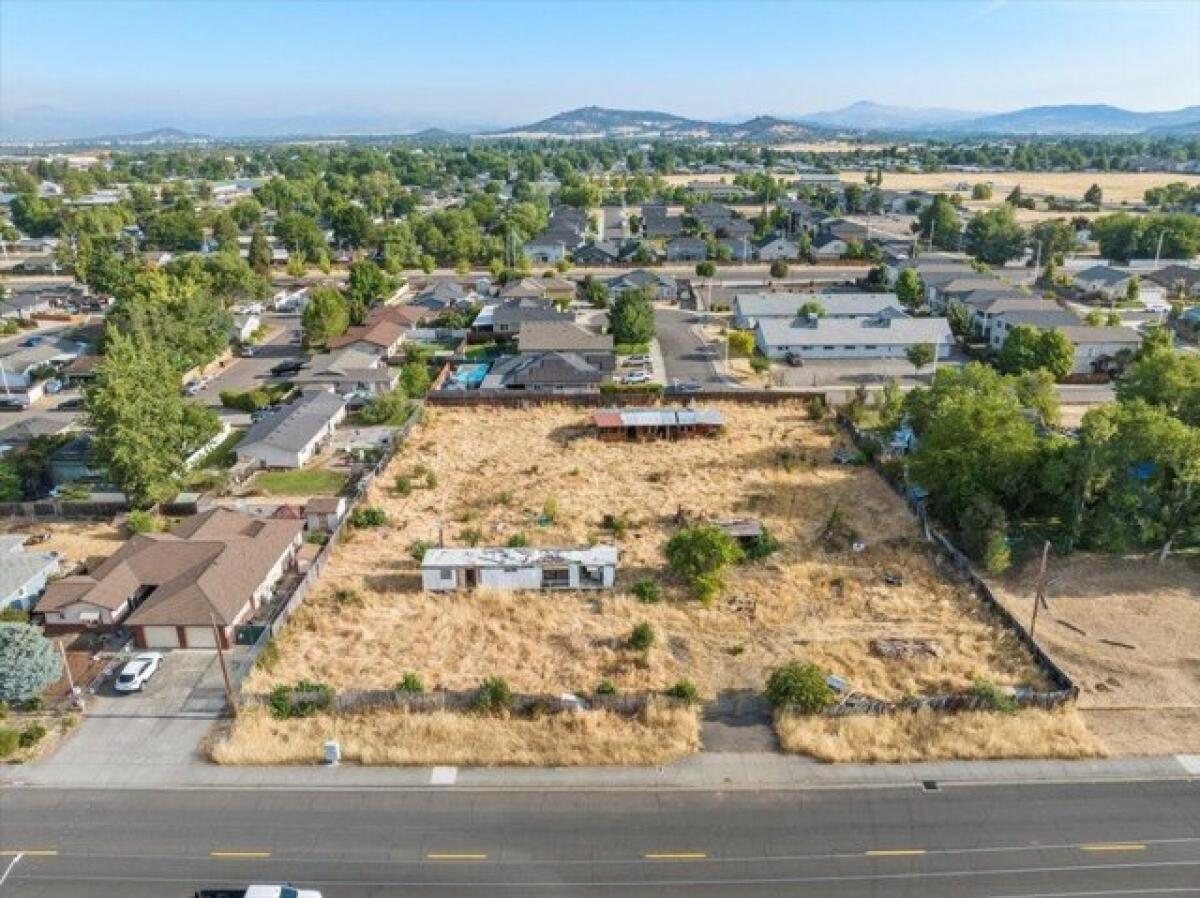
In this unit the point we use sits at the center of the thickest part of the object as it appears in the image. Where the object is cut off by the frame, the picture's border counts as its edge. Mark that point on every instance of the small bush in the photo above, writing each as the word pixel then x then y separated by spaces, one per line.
pixel 471 536
pixel 606 687
pixel 762 546
pixel 404 484
pixel 10 741
pixel 494 695
pixel 647 590
pixel 517 541
pixel 141 522
pixel 699 554
pixel 347 597
pixel 800 686
pixel 304 699
pixel 418 549
pixel 32 735
pixel 316 537
pixel 550 510
pixel 411 684
pixel 618 524
pixel 14 615
pixel 368 516
pixel 760 364
pixel 431 480
pixel 815 408
pixel 993 696
pixel 641 637
pixel 684 690
pixel 504 497
pixel 31 705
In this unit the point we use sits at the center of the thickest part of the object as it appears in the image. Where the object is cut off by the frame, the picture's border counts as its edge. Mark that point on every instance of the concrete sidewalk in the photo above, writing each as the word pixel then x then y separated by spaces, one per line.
pixel 715 771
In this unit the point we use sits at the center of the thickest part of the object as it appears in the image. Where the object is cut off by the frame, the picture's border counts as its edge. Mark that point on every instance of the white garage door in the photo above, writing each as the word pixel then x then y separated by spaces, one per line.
pixel 200 638
pixel 161 637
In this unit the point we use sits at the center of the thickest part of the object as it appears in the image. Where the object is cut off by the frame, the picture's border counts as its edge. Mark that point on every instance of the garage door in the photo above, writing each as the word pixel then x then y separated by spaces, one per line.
pixel 161 637
pixel 200 638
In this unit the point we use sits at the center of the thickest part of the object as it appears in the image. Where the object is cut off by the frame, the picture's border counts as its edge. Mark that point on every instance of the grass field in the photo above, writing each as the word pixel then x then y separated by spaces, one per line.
pixel 495 470
pixel 300 482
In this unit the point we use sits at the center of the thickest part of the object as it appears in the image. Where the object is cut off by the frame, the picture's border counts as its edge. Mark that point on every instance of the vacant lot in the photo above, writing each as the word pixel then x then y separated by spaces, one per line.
pixel 301 482
pixel 1128 631
pixel 493 474
pixel 75 541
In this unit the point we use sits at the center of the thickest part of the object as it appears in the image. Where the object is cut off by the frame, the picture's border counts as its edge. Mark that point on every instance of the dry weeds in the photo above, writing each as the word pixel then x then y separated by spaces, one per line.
pixel 928 736
pixel 494 470
pixel 589 738
pixel 75 541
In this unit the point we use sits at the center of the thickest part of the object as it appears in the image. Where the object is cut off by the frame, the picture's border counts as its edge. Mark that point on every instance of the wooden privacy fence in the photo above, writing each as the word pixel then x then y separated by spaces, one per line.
pixel 63 509
pixel 521 399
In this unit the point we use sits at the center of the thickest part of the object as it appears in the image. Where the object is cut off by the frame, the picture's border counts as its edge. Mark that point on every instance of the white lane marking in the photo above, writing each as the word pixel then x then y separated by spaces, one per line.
pixel 443 776
pixel 9 869
pixel 1190 763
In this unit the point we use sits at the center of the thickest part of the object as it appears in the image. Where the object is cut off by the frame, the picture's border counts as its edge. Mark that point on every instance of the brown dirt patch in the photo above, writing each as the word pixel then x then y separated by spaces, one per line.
pixel 75 541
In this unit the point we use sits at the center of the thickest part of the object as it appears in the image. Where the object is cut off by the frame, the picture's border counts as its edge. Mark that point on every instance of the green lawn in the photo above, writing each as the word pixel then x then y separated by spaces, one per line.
pixel 223 456
pixel 302 482
pixel 632 348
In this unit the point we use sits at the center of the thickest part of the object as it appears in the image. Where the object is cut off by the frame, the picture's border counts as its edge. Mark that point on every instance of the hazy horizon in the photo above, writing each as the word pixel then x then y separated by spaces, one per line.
pixel 72 69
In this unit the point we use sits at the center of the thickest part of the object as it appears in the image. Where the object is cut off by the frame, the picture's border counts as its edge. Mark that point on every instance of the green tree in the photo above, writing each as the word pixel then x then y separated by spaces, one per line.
pixel 368 284
pixel 1133 290
pixel 779 269
pixel 1056 237
pixel 909 288
pixel 1094 195
pixel 1166 379
pixel 29 662
pixel 414 378
pixel 596 292
pixel 1026 348
pixel 632 317
pixel 700 554
pixel 741 343
pixel 939 222
pixel 325 316
pixel 920 355
pixel 811 308
pixel 705 269
pixel 351 225
pixel 260 253
pixel 137 416
pixel 981 191
pixel 994 236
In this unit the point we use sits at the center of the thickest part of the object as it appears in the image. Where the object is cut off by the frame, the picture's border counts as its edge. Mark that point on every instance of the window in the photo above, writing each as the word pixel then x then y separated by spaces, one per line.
pixel 446 574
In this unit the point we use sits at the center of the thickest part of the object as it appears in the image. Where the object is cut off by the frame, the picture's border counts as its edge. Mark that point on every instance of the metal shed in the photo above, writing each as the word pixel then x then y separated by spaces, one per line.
pixel 669 423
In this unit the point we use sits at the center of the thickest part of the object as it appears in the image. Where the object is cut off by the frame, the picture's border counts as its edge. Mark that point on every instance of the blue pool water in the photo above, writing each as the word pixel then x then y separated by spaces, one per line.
pixel 469 376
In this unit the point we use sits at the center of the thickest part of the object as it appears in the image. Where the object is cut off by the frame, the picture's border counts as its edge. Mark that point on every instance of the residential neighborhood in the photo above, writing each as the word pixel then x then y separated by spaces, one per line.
pixel 417 478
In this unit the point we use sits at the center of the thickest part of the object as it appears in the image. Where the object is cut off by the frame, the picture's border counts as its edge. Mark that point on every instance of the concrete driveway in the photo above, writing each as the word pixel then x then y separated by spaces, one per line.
pixel 686 355
pixel 161 726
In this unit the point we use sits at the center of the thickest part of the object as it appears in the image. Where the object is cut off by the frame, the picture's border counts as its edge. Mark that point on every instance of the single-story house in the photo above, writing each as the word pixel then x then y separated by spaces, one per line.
pixel 381 334
pixel 666 423
pixel 777 247
pixel 552 288
pixel 1043 319
pixel 546 372
pixel 686 249
pixel 984 308
pixel 511 570
pixel 293 435
pixel 851 338
pixel 23 575
pixel 21 433
pixel 168 588
pixel 565 336
pixel 354 372
pixel 1112 284
pixel 1177 280
pixel 324 513
pixel 509 317
pixel 658 286
pixel 23 366
pixel 827 246
pixel 1097 347
pixel 748 308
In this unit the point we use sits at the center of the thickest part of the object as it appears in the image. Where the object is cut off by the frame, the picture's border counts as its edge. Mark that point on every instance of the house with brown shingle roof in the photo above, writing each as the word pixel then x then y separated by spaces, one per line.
pixel 168 588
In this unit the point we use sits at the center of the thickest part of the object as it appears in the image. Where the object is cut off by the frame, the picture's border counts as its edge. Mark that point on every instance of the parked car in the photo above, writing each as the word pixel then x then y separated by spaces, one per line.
pixel 137 672
pixel 794 359
pixel 636 377
pixel 636 361
pixel 54 385
pixel 248 352
pixel 684 386
pixel 289 367
pixel 193 387
pixel 262 891
pixel 70 405
pixel 32 341
pixel 7 404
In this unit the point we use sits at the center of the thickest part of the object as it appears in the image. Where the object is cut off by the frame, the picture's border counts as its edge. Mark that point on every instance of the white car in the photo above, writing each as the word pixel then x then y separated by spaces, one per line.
pixel 637 377
pixel 137 672
pixel 636 361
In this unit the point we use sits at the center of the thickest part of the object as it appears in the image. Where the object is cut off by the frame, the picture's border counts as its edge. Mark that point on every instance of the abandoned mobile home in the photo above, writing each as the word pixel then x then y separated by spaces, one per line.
pixel 510 570
pixel 669 423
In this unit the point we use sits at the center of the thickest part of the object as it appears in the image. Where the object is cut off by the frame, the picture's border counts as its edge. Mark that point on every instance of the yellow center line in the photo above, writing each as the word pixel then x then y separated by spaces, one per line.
pixel 29 852
pixel 451 856
pixel 241 854
pixel 895 852
pixel 1114 846
pixel 675 856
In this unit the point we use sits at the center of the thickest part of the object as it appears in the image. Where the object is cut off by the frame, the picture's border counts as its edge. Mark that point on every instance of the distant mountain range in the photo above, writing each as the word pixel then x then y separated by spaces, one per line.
pixel 46 124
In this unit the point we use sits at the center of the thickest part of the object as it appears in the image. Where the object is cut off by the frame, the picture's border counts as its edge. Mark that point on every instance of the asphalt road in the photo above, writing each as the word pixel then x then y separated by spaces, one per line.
pixel 970 842
pixel 685 355
pixel 242 374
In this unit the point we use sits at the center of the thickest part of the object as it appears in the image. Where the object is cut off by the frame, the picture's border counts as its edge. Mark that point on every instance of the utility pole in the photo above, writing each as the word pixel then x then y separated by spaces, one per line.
pixel 1158 250
pixel 76 698
pixel 230 697
pixel 1039 598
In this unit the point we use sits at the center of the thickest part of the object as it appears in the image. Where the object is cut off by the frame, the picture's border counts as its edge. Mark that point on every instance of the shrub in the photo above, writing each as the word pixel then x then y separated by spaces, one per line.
pixel 550 510
pixel 494 695
pixel 741 343
pixel 647 590
pixel 993 696
pixel 32 735
pixel 28 662
pixel 304 699
pixel 390 408
pixel 411 684
pixel 641 637
pixel 368 516
pixel 141 522
pixel 779 269
pixel 760 364
pixel 684 690
pixel 418 549
pixel 517 541
pixel 800 686
pixel 763 545
pixel 699 554
pixel 472 536
pixel 431 480
pixel 14 615
pixel 617 523
pixel 347 597
pixel 31 704
pixel 815 408
pixel 10 741
pixel 250 401
pixel 606 687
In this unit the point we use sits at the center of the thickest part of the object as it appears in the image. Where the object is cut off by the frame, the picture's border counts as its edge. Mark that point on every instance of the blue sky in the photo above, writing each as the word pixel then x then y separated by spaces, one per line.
pixel 219 64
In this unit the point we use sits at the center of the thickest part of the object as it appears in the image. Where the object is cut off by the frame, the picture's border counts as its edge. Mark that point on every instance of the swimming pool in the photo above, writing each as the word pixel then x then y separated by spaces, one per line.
pixel 469 377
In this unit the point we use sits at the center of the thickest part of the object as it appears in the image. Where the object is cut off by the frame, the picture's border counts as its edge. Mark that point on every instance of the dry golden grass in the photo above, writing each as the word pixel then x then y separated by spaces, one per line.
pixel 589 738
pixel 928 736
pixel 75 541
pixel 494 470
